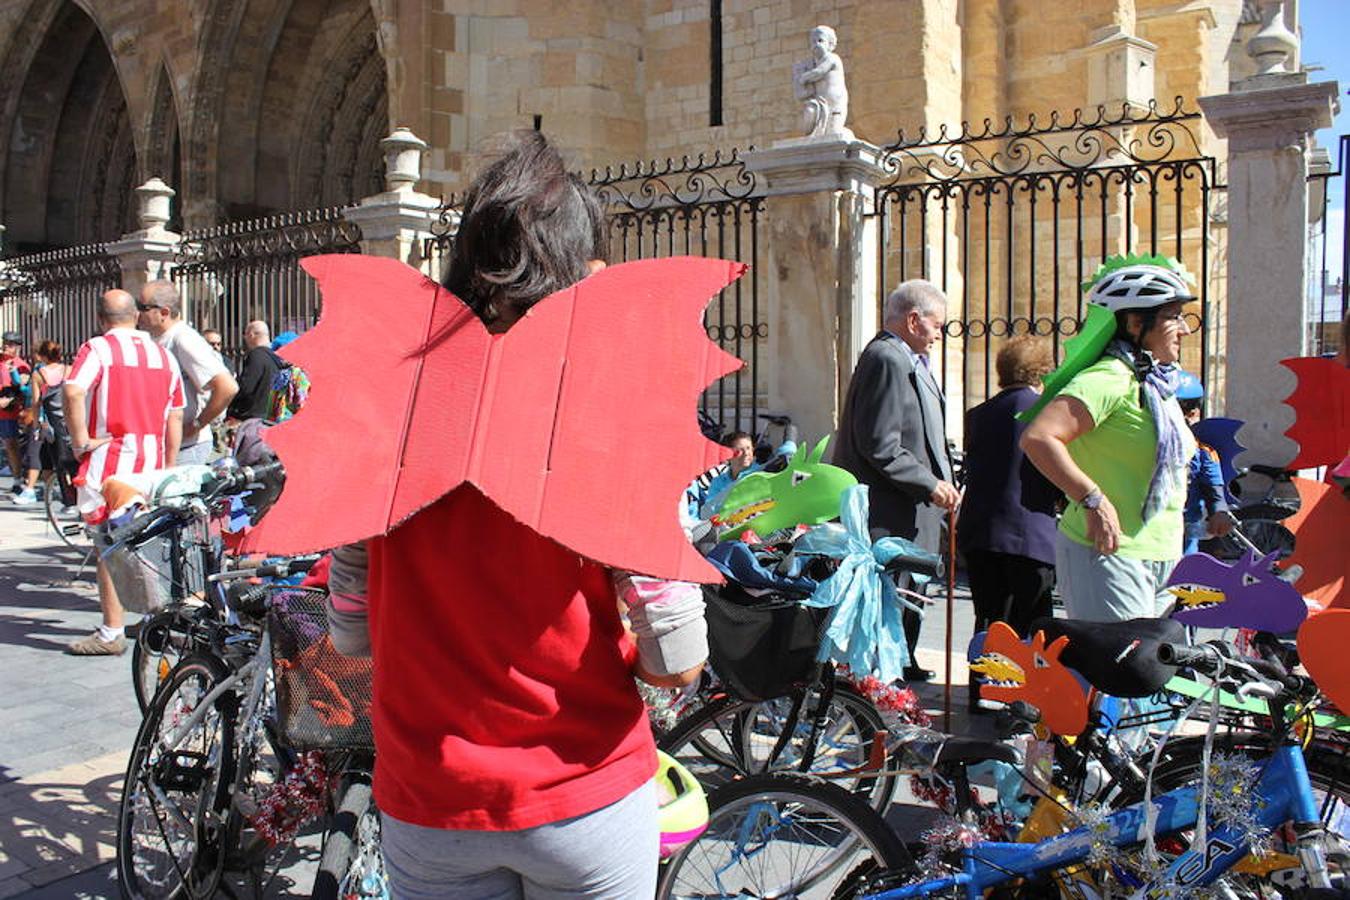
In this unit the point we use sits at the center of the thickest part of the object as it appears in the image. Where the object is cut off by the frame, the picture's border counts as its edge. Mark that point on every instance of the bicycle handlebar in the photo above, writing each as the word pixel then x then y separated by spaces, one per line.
pixel 163 517
pixel 1216 658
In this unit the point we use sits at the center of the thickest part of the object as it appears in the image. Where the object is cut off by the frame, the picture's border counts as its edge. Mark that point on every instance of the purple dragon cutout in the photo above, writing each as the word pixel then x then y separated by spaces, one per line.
pixel 1246 594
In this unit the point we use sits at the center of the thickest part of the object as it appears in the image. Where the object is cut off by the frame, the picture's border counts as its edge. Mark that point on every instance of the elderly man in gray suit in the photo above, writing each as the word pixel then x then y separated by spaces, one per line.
pixel 891 431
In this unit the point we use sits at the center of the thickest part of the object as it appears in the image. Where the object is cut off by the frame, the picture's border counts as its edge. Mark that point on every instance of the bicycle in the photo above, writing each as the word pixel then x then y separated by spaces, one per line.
pixel 1088 858
pixel 62 511
pixel 208 759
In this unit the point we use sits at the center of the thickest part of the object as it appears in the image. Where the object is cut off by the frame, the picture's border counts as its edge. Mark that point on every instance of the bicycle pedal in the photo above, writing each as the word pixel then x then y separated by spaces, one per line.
pixel 182 770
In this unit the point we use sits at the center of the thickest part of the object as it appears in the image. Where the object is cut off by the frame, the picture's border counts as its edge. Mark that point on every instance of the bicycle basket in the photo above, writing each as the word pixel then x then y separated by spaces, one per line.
pixel 143 575
pixel 761 648
pixel 323 697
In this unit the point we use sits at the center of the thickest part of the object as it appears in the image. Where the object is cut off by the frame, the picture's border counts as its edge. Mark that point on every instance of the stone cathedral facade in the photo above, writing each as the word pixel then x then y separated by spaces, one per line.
pixel 248 107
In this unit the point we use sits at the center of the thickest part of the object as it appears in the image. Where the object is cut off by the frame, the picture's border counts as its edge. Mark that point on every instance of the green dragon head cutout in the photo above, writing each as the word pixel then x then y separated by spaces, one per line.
pixel 1096 331
pixel 807 492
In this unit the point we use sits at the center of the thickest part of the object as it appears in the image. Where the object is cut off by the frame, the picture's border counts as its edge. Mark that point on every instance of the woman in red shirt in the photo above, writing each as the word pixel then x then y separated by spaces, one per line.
pixel 513 755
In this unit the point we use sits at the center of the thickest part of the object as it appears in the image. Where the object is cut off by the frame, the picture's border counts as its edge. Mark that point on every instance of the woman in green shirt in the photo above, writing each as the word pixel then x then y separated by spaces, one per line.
pixel 1114 440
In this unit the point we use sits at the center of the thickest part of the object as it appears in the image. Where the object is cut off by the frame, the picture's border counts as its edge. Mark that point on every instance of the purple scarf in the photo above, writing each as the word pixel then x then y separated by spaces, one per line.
pixel 1157 383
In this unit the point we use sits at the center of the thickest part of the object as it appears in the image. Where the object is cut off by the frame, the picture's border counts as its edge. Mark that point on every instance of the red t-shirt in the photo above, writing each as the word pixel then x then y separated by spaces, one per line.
pixel 504 694
pixel 9 367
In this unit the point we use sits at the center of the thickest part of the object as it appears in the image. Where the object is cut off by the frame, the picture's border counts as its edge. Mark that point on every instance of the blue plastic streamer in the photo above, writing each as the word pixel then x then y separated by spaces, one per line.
pixel 865 630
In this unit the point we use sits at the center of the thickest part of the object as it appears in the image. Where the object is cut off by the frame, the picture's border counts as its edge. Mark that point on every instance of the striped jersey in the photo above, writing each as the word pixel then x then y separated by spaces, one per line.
pixel 131 384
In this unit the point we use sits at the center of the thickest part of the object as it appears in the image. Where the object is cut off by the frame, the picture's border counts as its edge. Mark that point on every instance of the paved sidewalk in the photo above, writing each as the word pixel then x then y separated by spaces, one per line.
pixel 67 723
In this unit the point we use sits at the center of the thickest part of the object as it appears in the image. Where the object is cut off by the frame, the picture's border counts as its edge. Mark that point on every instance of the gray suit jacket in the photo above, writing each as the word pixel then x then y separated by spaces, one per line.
pixel 891 437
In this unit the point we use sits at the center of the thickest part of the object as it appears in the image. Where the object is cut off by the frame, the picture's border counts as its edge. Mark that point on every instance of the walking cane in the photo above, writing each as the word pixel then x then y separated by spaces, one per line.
pixel 951 602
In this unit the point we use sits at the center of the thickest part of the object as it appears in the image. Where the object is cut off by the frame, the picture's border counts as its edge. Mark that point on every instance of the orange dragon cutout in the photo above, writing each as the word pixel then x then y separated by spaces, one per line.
pixel 1014 670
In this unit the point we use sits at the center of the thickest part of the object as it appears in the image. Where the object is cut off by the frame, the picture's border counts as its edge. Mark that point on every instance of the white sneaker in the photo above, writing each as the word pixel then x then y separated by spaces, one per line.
pixel 26 498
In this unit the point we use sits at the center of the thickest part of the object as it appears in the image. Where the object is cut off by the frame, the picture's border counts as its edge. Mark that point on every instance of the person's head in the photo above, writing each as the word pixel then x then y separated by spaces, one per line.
pixel 49 352
pixel 1148 300
pixel 11 344
pixel 214 340
pixel 257 334
pixel 916 311
pixel 823 41
pixel 160 308
pixel 742 450
pixel 1023 361
pixel 529 228
pixel 116 309
pixel 1191 397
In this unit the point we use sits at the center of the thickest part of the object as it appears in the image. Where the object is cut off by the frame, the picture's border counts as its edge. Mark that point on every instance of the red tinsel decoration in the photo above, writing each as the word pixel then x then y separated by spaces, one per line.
pixel 299 797
pixel 901 701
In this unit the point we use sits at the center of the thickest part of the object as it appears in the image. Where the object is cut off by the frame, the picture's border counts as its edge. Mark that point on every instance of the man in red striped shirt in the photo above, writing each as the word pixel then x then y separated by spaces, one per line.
pixel 124 411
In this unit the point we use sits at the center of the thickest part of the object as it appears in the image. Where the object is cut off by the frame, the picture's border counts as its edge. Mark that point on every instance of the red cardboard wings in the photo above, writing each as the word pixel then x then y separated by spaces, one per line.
pixel 1321 403
pixel 1319 529
pixel 579 420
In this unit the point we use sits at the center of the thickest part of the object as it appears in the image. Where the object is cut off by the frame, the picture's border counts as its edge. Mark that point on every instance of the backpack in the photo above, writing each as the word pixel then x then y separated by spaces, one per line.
pixel 290 390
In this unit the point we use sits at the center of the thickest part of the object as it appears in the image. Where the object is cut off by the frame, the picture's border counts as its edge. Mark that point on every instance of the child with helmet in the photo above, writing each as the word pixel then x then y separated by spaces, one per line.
pixel 1206 513
pixel 1114 441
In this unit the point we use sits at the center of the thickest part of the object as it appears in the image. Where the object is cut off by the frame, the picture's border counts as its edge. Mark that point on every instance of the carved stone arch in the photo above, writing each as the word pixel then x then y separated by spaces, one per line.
pixel 69 157
pixel 337 140
pixel 219 32
pixel 163 156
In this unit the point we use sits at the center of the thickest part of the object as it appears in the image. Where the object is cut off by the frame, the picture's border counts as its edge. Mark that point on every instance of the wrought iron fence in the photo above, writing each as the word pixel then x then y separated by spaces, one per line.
pixel 234 273
pixel 1329 253
pixel 53 295
pixel 699 206
pixel 1010 219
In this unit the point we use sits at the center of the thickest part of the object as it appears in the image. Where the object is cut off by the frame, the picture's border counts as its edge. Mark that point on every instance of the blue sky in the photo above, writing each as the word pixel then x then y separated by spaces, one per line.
pixel 1326 43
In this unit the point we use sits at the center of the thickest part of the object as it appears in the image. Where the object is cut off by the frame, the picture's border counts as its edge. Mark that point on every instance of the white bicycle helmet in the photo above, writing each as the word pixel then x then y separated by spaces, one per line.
pixel 1139 286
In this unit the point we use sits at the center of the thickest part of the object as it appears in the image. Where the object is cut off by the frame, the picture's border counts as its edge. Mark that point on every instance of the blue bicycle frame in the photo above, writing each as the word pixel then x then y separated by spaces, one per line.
pixel 1284 794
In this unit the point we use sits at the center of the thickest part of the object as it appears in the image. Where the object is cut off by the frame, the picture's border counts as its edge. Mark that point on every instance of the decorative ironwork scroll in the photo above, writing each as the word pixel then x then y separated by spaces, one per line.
pixel 1010 218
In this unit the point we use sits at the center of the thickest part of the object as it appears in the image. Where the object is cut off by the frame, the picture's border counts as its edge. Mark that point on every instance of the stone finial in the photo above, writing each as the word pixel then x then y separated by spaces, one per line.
pixel 402 159
pixel 1274 45
pixel 152 204
pixel 819 83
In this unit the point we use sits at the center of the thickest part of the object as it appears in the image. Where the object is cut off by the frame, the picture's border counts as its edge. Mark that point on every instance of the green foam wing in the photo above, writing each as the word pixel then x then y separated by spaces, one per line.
pixel 1080 351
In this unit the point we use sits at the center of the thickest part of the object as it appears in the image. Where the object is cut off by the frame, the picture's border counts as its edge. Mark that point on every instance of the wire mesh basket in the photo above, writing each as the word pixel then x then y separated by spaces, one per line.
pixel 143 575
pixel 323 697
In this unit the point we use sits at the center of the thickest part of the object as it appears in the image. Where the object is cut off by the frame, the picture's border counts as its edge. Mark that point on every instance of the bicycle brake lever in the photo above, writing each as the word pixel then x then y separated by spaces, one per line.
pixel 1257 689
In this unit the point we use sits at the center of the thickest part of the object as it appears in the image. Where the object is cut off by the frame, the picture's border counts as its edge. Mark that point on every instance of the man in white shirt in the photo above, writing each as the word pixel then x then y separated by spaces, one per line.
pixel 208 384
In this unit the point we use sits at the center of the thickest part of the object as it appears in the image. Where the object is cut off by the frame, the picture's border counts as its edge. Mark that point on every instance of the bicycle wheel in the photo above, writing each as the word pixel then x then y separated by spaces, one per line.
pixel 58 499
pixel 351 865
pixel 162 641
pixel 1328 771
pixel 779 835
pixel 729 738
pixel 171 819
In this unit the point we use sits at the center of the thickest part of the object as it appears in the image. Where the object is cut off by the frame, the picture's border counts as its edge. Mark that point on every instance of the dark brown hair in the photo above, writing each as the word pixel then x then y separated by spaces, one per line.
pixel 528 229
pixel 50 350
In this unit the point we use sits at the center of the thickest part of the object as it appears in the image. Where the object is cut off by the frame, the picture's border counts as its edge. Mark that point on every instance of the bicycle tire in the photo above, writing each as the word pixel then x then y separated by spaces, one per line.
pixel 68 527
pixel 1328 771
pixel 201 779
pixel 344 842
pixel 767 827
pixel 717 741
pixel 161 643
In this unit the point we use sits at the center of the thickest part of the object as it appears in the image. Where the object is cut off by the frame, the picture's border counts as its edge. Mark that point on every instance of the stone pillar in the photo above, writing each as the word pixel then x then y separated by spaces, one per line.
pixel 395 223
pixel 820 274
pixel 148 254
pixel 1268 120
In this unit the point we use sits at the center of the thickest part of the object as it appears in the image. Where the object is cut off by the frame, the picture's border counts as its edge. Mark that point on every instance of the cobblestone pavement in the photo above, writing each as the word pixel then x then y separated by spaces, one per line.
pixel 67 723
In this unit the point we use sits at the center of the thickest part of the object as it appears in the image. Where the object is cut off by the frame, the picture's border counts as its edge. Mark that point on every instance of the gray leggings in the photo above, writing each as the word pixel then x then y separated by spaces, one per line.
pixel 1098 588
pixel 609 854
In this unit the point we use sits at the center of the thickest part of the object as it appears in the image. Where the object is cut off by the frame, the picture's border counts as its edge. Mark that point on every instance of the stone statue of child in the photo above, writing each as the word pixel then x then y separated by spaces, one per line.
pixel 819 83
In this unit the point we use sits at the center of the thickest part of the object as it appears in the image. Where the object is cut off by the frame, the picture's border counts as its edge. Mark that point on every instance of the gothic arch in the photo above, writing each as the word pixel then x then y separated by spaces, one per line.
pixel 164 148
pixel 69 159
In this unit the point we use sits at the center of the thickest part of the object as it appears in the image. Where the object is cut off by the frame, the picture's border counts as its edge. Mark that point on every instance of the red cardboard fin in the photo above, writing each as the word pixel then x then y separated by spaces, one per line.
pixel 1321 403
pixel 579 420
pixel 1319 528
pixel 1322 640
